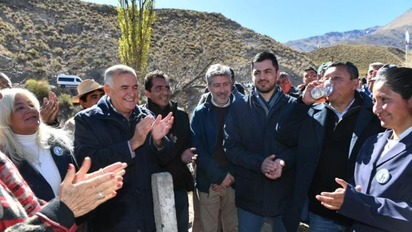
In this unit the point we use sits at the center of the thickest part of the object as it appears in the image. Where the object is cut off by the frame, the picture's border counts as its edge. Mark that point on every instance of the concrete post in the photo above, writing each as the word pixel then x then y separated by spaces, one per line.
pixel 164 202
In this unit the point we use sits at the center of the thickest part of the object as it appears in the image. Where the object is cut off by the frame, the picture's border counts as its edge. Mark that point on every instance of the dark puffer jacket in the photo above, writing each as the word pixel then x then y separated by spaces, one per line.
pixel 102 134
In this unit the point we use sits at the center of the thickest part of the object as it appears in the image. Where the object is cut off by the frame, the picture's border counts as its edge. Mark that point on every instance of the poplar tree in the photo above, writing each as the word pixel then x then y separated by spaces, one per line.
pixel 136 18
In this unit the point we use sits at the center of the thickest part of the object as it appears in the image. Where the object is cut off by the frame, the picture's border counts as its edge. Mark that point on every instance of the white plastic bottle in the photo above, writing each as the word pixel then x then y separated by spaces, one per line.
pixel 322 90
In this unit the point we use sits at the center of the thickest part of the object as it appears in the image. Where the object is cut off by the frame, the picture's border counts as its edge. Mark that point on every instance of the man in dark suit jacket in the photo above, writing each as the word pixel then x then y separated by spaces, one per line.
pixel 328 140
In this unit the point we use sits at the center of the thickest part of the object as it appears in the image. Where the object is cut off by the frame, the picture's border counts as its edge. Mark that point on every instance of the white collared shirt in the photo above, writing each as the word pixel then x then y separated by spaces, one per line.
pixel 340 115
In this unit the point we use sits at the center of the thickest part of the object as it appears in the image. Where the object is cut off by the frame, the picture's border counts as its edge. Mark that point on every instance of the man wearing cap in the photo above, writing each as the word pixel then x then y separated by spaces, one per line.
pixel 310 74
pixel 322 68
pixel 89 93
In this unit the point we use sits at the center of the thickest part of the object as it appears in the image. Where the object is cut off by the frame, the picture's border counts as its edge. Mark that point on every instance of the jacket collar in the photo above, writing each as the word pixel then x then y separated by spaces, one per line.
pixel 396 150
pixel 277 97
pixel 155 108
pixel 363 102
pixel 208 102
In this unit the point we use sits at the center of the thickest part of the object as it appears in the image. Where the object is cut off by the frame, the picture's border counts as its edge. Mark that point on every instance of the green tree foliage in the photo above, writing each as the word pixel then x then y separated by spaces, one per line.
pixel 40 88
pixel 136 18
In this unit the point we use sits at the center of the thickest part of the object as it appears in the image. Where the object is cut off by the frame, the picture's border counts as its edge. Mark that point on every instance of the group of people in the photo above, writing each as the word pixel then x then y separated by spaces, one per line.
pixel 277 154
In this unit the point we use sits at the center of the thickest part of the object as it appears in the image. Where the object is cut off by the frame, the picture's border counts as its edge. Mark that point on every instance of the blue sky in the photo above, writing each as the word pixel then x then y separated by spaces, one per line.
pixel 285 20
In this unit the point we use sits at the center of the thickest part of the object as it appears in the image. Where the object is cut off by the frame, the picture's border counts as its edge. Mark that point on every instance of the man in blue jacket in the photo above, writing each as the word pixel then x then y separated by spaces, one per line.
pixel 116 129
pixel 214 178
pixel 258 158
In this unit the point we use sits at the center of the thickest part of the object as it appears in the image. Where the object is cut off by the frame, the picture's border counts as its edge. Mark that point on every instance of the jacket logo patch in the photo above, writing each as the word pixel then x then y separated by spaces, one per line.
pixel 58 151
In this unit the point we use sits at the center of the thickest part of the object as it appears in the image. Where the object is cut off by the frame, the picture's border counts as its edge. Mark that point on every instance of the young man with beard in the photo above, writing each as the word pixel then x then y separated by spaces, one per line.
pixel 214 176
pixel 259 159
pixel 158 93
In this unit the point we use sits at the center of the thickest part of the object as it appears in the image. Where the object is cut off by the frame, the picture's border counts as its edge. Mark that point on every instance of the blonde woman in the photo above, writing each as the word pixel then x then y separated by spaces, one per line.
pixel 41 153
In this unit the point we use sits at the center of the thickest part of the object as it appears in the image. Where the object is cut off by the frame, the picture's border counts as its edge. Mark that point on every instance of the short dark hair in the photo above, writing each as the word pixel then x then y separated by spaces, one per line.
pixel 83 98
pixel 262 56
pixel 148 79
pixel 350 67
pixel 398 80
pixel 363 80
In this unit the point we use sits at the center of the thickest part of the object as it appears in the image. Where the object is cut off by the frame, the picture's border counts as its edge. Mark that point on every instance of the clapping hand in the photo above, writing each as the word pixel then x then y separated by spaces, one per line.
pixel 83 192
pixel 334 200
pixel 142 129
pixel 161 127
pixel 50 108
pixel 117 168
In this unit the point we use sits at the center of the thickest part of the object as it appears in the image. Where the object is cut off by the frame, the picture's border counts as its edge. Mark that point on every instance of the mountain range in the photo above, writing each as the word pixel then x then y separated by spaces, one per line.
pixel 328 39
pixel 391 34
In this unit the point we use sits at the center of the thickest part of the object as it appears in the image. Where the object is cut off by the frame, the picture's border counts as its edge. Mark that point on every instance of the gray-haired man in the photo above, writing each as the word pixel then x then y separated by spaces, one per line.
pixel 214 178
pixel 117 129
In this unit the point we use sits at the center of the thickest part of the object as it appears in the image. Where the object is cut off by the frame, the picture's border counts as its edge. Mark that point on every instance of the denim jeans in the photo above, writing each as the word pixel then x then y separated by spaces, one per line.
pixel 182 210
pixel 322 224
pixel 249 222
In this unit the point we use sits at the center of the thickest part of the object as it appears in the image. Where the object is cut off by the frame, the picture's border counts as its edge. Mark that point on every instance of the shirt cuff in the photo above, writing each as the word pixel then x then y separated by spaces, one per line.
pixel 132 153
pixel 58 215
pixel 157 148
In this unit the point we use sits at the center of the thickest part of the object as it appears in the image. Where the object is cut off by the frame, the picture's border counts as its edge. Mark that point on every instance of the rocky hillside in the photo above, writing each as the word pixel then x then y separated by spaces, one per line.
pixel 328 39
pixel 42 38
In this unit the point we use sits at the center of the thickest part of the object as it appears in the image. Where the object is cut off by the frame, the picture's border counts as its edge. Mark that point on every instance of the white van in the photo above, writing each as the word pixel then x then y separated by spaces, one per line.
pixel 71 81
